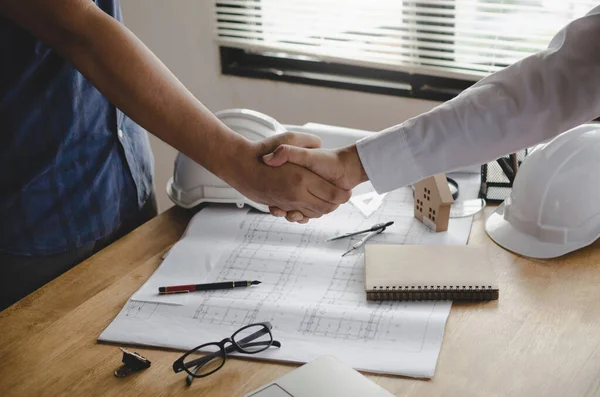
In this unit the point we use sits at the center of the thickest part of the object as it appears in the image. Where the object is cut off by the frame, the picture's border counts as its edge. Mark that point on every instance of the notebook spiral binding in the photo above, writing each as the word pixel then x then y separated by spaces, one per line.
pixel 433 292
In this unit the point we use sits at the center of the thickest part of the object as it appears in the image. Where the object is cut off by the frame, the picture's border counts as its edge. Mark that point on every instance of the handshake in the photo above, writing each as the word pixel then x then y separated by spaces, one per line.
pixel 295 177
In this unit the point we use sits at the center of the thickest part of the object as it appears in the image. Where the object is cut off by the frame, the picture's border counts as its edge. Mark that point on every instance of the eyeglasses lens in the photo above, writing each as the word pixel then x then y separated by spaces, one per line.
pixel 253 339
pixel 214 360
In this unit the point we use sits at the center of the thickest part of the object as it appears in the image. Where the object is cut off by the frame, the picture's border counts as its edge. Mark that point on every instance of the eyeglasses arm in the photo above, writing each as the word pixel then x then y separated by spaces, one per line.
pixel 253 336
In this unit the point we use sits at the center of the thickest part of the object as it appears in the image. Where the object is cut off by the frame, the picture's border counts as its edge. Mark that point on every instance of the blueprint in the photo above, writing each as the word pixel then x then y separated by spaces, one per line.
pixel 314 298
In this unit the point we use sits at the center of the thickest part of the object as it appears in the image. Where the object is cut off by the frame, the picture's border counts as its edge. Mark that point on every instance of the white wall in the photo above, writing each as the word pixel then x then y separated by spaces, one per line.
pixel 181 34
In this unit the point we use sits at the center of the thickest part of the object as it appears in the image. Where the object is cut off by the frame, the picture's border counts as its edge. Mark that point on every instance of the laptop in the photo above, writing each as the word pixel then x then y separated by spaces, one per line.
pixel 323 377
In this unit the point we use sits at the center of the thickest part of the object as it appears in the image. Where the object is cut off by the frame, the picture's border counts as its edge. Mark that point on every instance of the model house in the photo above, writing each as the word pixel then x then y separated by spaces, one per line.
pixel 432 202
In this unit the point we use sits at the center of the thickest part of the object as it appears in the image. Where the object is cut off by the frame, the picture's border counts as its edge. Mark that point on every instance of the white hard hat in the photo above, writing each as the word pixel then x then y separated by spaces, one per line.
pixel 193 184
pixel 554 205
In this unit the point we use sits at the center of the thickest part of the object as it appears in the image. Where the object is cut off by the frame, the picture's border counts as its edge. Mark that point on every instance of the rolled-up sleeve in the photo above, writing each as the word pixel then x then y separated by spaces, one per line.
pixel 526 103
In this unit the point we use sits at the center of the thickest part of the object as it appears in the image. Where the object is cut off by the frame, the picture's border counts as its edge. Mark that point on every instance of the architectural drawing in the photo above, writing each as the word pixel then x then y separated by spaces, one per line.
pixel 314 297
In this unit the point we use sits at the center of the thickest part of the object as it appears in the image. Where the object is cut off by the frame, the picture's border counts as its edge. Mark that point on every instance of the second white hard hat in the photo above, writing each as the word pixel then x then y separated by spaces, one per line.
pixel 554 205
pixel 193 184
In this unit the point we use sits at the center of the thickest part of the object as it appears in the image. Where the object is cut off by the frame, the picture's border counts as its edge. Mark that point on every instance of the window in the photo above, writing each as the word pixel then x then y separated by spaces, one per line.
pixel 425 48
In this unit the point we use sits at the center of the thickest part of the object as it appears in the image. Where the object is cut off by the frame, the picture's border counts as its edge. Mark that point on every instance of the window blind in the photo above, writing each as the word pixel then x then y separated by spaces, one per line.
pixel 463 39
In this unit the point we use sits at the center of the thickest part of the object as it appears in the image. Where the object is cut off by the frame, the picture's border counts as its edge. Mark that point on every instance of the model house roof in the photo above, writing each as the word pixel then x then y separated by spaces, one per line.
pixel 440 184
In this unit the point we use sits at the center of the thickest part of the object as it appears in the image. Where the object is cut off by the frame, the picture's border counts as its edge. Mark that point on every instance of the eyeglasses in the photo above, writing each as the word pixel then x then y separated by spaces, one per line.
pixel 208 358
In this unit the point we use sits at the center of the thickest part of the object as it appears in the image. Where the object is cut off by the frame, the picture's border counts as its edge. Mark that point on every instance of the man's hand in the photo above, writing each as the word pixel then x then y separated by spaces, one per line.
pixel 341 167
pixel 288 187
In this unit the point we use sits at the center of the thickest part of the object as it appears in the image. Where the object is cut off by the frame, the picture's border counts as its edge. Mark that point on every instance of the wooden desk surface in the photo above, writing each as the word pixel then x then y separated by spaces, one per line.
pixel 541 338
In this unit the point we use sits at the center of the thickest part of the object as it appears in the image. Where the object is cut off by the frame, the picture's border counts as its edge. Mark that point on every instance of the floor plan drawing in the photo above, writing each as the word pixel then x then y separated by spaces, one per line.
pixel 314 297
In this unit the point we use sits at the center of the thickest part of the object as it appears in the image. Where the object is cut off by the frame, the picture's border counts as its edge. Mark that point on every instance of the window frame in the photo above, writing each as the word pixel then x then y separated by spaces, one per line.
pixel 242 63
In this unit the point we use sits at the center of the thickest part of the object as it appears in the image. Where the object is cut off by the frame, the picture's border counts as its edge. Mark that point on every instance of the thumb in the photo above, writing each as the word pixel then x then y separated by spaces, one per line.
pixel 287 153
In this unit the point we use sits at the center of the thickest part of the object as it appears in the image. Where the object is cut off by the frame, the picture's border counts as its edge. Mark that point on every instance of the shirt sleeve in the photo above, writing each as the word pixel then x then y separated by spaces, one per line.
pixel 526 103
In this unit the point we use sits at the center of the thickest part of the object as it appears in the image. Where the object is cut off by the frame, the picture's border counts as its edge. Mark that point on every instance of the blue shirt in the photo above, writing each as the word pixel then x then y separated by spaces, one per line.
pixel 72 166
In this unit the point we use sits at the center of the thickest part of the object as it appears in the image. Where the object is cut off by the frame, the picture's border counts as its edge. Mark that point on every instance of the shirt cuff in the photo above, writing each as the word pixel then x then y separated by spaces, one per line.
pixel 388 159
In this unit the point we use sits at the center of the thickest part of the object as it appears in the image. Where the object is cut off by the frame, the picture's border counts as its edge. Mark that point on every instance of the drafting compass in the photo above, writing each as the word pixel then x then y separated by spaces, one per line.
pixel 372 231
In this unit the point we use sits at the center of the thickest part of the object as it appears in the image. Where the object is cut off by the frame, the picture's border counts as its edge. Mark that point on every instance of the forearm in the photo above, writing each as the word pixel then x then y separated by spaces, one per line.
pixel 133 79
pixel 524 104
pixel 131 76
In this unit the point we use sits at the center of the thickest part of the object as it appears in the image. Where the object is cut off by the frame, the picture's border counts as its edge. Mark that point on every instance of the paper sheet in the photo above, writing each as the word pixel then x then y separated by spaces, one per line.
pixel 195 254
pixel 314 298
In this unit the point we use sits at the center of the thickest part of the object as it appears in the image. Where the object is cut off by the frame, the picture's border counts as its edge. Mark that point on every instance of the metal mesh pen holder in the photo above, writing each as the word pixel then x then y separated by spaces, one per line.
pixel 498 176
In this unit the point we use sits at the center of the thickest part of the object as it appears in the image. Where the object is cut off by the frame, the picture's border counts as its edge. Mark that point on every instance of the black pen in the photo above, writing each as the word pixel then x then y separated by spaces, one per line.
pixel 178 289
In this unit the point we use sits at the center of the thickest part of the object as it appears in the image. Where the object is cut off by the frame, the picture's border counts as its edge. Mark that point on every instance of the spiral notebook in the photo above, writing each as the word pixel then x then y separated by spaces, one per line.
pixel 426 272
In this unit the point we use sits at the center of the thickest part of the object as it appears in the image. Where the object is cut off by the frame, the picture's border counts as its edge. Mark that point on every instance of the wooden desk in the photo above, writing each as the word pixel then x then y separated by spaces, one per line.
pixel 541 338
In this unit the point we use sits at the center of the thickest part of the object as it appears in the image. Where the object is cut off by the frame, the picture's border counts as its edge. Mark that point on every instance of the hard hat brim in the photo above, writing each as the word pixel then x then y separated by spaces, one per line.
pixel 179 198
pixel 512 239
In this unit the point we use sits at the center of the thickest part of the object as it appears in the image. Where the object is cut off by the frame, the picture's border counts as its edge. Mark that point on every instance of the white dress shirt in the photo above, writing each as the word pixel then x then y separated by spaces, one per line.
pixel 526 103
